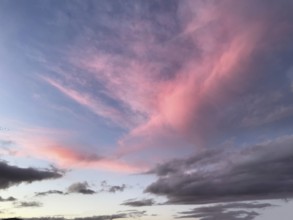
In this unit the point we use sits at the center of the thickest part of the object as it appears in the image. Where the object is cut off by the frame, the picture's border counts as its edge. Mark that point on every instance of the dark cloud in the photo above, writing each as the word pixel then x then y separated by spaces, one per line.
pixel 28 204
pixel 120 215
pixel 262 171
pixel 105 187
pixel 12 175
pixel 9 199
pixel 84 188
pixel 80 187
pixel 50 192
pixel 232 211
pixel 139 203
pixel 99 217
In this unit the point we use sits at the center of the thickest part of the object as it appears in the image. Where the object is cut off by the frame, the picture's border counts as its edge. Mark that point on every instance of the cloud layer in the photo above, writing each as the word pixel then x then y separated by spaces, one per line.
pixel 257 172
pixel 232 211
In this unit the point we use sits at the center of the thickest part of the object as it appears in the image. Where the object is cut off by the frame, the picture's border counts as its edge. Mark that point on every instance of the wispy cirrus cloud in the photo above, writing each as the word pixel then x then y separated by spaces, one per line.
pixel 164 99
pixel 92 103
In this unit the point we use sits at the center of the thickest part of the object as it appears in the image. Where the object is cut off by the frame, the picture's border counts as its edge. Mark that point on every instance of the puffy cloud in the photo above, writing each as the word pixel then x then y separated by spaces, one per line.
pixel 80 187
pixel 13 175
pixel 257 172
pixel 105 187
pixel 139 203
pixel 230 211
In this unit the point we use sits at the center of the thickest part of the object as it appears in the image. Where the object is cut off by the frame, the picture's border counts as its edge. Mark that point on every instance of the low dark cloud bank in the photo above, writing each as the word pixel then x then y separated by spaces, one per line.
pixel 263 171
pixel 13 175
pixel 232 211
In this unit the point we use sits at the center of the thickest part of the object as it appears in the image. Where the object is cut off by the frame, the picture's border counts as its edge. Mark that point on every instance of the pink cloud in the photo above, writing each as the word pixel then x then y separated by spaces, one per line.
pixel 93 104
pixel 68 158
pixel 49 145
pixel 189 105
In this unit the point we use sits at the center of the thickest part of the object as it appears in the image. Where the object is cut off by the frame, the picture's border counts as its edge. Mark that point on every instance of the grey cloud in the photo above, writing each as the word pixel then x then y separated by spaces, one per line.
pixel 114 189
pixel 12 175
pixel 139 203
pixel 105 187
pixel 262 171
pixel 28 204
pixel 232 211
pixel 9 199
pixel 50 192
pixel 84 188
pixel 80 187
pixel 120 215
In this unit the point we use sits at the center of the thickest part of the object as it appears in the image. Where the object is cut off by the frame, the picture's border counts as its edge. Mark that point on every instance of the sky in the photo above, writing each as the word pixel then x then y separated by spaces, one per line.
pixel 151 110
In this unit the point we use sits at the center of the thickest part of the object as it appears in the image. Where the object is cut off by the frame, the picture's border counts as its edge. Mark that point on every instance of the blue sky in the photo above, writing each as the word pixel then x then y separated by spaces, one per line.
pixel 146 109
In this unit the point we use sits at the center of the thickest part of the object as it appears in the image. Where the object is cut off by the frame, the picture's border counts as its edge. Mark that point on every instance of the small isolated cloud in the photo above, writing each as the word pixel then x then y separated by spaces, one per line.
pixel 80 187
pixel 139 203
pixel 112 188
pixel 9 199
pixel 49 192
pixel 28 204
pixel 13 175
pixel 230 211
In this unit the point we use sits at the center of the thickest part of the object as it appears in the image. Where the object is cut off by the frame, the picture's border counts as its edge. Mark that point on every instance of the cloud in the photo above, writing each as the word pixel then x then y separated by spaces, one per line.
pixel 9 199
pixel 118 215
pixel 230 211
pixel 48 144
pixel 13 175
pixel 84 188
pixel 205 92
pixel 256 172
pixel 28 204
pixel 49 192
pixel 139 203
pixel 80 187
pixel 94 104
pixel 111 188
